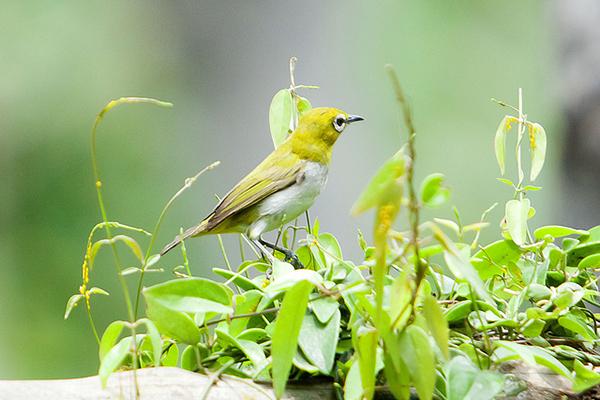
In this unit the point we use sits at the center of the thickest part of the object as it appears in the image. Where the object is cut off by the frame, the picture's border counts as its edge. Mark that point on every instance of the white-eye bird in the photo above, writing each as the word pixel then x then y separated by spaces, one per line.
pixel 282 187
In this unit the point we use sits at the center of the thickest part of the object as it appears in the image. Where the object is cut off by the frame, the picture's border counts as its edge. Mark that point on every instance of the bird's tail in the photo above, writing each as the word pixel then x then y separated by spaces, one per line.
pixel 193 231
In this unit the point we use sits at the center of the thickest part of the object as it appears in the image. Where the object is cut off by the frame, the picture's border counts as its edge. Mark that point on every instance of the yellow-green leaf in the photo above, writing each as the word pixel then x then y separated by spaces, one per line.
pixel 537 148
pixel 287 328
pixel 500 142
pixel 280 115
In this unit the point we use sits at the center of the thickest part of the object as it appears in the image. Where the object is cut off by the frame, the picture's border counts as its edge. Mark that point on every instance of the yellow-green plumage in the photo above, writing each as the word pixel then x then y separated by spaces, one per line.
pixel 283 185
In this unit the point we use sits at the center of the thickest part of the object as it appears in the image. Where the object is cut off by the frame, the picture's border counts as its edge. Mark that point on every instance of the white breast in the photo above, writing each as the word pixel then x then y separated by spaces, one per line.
pixel 287 204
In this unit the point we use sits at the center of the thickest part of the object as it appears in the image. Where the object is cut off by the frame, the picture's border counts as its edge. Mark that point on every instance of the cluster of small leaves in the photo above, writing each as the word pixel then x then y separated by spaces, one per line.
pixel 381 324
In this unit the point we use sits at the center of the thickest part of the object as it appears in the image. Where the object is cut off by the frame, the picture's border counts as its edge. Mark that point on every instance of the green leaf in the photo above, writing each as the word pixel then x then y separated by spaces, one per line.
pixel 293 278
pixel 578 325
pixel 461 268
pixel 318 341
pixel 589 262
pixel 252 350
pixel 154 336
pixel 416 352
pixel 507 182
pixel 557 231
pixel 533 328
pixel 459 311
pixel 192 295
pixel 239 280
pixel 331 249
pixel 171 356
pixel 531 355
pixel 127 240
pixel 433 194
pixel 464 381
pixel 537 148
pixel 188 359
pixel 303 105
pixel 366 348
pixel 114 358
pixel 109 337
pixel 72 303
pixel 280 116
pixel 516 220
pixel 245 304
pixel 489 260
pixel 324 308
pixel 287 329
pixel 385 187
pixel 500 141
pixel 584 378
pixel 396 376
pixel 437 324
pixel 174 324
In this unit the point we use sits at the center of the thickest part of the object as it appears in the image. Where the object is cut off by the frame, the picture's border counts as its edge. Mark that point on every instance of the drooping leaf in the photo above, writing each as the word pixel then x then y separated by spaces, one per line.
pixel 437 324
pixel 280 116
pixel 72 303
pixel 416 352
pixel 500 141
pixel 287 328
pixel 516 220
pixel 537 148
pixel 365 342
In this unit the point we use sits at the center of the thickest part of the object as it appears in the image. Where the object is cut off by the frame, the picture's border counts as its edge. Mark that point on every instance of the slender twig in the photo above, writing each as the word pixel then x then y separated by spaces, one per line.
pixel 187 184
pixel 413 203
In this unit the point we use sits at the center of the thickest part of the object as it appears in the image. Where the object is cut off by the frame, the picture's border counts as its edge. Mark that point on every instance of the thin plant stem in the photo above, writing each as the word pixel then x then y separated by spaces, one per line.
pixel 188 183
pixel 98 184
pixel 413 204
pixel 186 262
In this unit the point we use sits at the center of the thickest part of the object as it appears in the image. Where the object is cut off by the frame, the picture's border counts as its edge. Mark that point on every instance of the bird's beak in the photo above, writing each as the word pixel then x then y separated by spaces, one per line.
pixel 354 118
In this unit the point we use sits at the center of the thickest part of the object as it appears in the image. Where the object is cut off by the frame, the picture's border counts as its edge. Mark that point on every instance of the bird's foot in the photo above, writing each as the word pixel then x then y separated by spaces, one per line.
pixel 290 256
pixel 293 259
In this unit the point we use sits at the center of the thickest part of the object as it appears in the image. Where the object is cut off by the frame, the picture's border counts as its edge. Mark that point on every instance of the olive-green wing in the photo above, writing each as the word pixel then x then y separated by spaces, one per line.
pixel 268 178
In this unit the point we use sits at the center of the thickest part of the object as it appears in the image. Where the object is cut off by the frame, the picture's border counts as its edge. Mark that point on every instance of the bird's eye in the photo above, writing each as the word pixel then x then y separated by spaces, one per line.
pixel 339 123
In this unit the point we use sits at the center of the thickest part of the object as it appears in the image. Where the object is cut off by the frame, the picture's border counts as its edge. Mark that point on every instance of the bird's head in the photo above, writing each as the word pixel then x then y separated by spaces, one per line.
pixel 318 130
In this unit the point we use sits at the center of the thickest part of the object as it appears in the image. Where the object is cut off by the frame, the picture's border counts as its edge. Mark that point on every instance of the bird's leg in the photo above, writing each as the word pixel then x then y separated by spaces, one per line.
pixel 266 253
pixel 289 255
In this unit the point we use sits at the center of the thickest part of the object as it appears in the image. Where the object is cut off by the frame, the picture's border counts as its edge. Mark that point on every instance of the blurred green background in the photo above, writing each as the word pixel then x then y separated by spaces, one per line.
pixel 220 62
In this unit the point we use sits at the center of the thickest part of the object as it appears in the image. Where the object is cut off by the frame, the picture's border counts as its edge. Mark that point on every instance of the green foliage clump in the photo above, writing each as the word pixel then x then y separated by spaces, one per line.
pixel 428 307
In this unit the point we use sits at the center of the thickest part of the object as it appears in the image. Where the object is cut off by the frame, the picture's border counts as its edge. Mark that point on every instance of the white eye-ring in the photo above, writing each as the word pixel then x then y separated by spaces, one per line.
pixel 339 123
